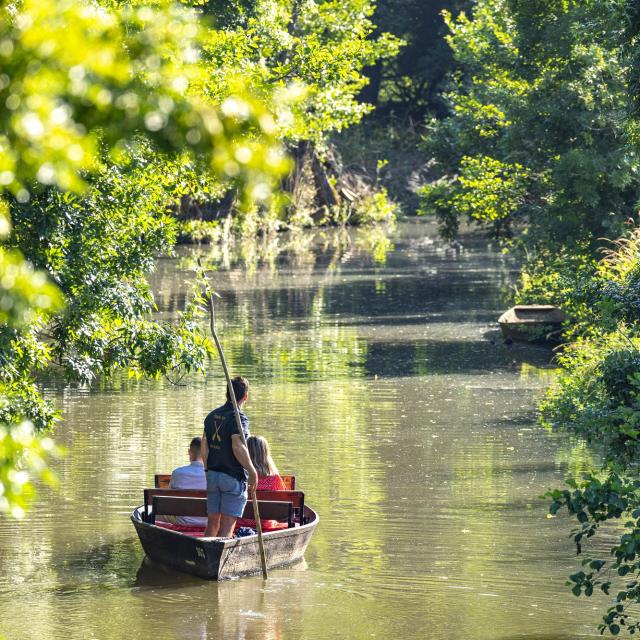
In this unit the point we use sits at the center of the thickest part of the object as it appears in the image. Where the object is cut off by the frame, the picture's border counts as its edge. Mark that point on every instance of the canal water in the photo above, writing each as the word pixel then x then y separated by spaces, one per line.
pixel 380 381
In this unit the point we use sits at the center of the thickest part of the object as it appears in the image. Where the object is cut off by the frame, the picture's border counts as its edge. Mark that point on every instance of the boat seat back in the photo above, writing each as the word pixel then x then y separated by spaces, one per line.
pixel 150 494
pixel 296 498
pixel 162 480
pixel 165 505
pixel 179 506
pixel 270 510
pixel 289 482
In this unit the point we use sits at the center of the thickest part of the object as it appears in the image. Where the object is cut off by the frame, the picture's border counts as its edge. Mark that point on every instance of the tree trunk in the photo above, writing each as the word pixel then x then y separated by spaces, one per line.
pixel 298 154
pixel 326 192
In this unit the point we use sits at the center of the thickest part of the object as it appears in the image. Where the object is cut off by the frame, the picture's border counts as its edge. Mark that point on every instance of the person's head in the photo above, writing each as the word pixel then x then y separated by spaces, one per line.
pixel 261 456
pixel 240 389
pixel 195 449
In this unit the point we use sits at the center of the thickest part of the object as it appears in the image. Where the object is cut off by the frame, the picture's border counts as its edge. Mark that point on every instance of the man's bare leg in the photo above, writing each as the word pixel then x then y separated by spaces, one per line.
pixel 227 523
pixel 213 525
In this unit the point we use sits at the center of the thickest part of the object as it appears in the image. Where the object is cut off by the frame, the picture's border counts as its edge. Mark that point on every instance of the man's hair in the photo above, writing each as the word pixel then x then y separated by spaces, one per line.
pixel 196 443
pixel 240 388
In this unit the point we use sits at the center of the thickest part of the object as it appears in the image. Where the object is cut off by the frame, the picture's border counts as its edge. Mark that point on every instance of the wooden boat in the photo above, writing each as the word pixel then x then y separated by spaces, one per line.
pixel 223 558
pixel 539 323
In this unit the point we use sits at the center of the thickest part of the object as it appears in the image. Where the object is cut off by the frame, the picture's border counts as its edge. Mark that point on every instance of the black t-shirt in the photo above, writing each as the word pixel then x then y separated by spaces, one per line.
pixel 219 426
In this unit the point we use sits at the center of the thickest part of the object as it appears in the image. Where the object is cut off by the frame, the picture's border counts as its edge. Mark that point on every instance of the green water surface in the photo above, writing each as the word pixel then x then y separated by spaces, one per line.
pixel 380 381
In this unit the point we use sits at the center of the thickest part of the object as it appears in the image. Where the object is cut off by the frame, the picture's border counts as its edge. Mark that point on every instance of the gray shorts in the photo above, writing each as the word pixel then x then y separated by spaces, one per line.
pixel 225 494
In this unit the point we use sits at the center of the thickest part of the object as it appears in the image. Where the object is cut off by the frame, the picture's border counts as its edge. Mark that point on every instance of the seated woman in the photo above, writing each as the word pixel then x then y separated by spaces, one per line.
pixel 268 476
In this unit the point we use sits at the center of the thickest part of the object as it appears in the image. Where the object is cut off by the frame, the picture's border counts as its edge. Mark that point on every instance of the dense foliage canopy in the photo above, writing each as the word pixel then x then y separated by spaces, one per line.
pixel 543 129
pixel 111 114
pixel 413 81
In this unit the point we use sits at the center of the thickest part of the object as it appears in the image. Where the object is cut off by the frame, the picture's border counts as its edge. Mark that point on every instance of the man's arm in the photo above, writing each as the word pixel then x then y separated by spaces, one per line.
pixel 242 456
pixel 204 450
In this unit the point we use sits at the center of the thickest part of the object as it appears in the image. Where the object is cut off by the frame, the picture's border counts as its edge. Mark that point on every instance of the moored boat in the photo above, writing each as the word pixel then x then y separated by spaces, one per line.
pixel 185 549
pixel 539 323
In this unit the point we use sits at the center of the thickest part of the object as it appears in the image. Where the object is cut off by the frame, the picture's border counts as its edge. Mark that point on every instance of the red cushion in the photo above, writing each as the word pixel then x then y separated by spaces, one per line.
pixel 270 483
pixel 267 525
pixel 198 532
pixel 184 528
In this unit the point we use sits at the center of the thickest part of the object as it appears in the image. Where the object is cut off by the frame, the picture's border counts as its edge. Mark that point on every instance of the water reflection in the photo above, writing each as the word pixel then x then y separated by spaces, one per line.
pixel 410 430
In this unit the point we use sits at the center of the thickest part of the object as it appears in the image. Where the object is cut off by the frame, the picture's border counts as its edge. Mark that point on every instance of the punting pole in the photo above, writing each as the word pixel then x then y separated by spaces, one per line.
pixel 236 411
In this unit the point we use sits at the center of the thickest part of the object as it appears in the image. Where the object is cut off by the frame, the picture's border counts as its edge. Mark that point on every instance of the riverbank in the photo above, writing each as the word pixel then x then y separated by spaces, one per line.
pixel 375 170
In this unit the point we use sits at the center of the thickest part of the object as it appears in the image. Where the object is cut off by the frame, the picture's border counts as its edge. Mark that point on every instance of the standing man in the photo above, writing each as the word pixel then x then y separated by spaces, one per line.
pixel 227 463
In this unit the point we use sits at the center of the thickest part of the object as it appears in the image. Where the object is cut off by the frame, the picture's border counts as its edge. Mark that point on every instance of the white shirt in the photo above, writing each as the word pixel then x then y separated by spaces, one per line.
pixel 191 476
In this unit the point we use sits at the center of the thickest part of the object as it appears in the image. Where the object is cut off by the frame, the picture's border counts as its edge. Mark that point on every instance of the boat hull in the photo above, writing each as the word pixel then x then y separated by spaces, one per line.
pixel 540 324
pixel 543 333
pixel 216 559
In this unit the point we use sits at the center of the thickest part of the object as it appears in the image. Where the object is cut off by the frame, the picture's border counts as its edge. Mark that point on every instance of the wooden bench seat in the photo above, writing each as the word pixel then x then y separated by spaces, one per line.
pixel 295 498
pixel 174 505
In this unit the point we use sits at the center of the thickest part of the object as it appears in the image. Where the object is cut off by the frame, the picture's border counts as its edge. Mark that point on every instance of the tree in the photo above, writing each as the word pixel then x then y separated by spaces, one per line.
pixel 78 81
pixel 113 114
pixel 414 80
pixel 542 93
pixel 317 50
